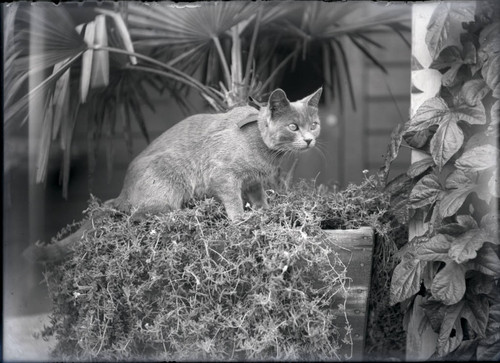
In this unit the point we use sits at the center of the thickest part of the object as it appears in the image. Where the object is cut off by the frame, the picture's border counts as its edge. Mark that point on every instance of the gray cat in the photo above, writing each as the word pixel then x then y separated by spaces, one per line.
pixel 217 155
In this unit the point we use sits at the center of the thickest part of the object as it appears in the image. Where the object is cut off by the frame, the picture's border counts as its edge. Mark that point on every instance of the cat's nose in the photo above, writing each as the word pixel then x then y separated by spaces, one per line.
pixel 308 141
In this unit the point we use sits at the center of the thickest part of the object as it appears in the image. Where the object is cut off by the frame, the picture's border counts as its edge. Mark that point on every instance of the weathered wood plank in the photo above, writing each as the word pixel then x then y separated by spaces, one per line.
pixel 355 249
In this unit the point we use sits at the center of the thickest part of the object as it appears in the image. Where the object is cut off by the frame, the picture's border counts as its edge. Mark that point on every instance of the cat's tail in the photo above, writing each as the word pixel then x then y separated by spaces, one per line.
pixel 57 251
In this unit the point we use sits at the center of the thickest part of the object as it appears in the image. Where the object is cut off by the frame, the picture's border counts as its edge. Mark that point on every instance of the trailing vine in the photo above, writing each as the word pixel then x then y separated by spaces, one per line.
pixel 451 272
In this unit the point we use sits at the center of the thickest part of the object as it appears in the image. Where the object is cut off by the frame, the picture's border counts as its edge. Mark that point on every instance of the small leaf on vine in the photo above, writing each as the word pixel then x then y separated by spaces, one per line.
pixel 447 340
pixel 491 74
pixel 473 92
pixel 425 192
pixel 449 283
pixel 465 246
pixel 476 313
pixel 473 115
pixel 419 167
pixel 431 112
pixel 417 139
pixel 435 312
pixel 448 57
pixel 458 179
pixel 452 200
pixel 450 77
pixel 447 140
pixel 436 249
pixel 406 280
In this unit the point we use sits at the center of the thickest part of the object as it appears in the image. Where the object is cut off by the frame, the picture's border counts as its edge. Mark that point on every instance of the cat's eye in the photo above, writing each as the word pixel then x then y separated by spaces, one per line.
pixel 314 125
pixel 293 127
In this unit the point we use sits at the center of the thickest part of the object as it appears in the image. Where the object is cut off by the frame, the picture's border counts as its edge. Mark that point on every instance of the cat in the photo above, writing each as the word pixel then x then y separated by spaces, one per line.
pixel 225 155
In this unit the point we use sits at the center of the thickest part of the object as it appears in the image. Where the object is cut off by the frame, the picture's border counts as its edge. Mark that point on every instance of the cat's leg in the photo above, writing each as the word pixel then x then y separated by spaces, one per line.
pixel 257 195
pixel 228 190
pixel 141 213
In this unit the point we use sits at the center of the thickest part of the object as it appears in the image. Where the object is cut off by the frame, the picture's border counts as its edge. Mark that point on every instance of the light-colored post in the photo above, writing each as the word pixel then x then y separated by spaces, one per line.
pixel 420 345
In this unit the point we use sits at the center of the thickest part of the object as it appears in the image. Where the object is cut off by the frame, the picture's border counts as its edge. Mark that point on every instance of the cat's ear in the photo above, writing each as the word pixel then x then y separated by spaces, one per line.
pixel 313 99
pixel 278 101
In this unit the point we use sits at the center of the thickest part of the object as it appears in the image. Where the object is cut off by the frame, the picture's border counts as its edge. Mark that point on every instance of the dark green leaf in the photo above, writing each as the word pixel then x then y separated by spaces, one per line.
pixel 447 140
pixel 436 249
pixel 467 221
pixel 465 247
pixel 478 158
pixel 478 283
pixel 488 38
pixel 486 262
pixel 450 78
pixel 491 74
pixel 473 115
pixel 417 139
pixel 489 349
pixel 476 312
pixel 458 180
pixel 452 200
pixel 449 283
pixel 425 192
pixel 452 229
pixel 448 57
pixel 435 311
pixel 494 319
pixel 448 342
pixel 419 167
pixel 431 112
pixel 473 92
pixel 406 280
pixel 465 352
pixel 430 272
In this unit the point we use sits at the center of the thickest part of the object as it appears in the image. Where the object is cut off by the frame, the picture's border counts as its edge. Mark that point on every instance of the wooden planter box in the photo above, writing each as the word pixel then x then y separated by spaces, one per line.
pixel 355 249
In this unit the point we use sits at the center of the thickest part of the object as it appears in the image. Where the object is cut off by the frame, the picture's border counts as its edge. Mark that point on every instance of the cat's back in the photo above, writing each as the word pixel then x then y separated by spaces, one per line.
pixel 195 130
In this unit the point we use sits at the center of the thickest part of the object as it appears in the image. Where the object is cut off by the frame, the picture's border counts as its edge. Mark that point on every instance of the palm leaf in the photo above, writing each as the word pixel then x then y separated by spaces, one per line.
pixel 61 99
pixel 21 105
pixel 367 53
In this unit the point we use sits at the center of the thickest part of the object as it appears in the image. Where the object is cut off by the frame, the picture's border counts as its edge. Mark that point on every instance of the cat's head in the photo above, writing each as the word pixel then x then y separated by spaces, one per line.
pixel 290 126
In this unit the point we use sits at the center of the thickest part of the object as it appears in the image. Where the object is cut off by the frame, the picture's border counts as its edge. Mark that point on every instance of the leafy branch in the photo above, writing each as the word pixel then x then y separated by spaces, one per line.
pixel 449 275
